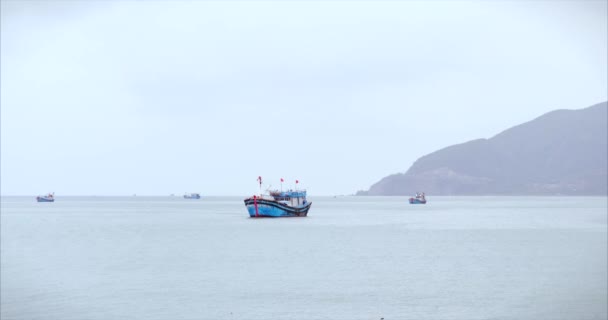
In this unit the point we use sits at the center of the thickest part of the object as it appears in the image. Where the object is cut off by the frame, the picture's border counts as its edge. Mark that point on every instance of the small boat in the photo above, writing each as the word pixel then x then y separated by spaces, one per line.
pixel 48 198
pixel 192 196
pixel 291 203
pixel 419 199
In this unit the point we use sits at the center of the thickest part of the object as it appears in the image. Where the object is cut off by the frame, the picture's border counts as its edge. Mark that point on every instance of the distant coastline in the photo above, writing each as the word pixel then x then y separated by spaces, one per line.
pixel 561 153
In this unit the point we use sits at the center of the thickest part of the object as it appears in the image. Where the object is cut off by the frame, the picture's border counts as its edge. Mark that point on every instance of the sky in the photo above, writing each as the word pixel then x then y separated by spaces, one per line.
pixel 159 98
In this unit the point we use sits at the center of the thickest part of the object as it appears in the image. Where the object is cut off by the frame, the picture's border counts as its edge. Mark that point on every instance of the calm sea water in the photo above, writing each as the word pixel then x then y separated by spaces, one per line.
pixel 352 258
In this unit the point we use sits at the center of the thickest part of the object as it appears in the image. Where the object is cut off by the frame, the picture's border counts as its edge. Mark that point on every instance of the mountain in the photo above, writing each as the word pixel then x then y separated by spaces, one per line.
pixel 563 152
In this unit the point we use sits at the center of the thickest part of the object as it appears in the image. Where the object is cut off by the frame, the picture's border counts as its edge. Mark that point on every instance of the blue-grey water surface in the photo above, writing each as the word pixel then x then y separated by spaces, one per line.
pixel 352 258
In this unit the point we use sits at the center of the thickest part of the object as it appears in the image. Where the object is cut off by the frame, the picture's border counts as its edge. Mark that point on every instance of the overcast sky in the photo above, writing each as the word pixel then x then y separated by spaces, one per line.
pixel 154 97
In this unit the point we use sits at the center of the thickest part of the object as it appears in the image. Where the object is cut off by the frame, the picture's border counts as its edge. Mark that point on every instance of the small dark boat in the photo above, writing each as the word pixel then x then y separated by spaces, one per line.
pixel 192 196
pixel 48 198
pixel 419 199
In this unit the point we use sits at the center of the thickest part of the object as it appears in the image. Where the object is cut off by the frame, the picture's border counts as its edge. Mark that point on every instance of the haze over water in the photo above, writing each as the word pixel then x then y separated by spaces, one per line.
pixel 352 258
pixel 159 97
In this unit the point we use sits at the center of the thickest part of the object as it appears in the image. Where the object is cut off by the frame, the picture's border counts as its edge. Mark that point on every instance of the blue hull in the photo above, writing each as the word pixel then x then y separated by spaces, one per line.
pixel 274 209
pixel 44 200
pixel 416 201
pixel 194 197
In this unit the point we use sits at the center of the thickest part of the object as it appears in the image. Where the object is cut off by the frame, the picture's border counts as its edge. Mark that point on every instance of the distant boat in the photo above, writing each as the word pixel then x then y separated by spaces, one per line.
pixel 192 196
pixel 418 199
pixel 48 198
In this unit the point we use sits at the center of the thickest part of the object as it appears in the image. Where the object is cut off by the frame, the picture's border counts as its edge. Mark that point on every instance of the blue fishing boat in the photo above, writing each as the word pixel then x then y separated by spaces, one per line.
pixel 192 196
pixel 419 199
pixel 48 198
pixel 291 203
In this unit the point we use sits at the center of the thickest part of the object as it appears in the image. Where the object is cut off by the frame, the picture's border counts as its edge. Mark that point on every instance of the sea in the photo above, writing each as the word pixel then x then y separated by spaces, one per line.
pixel 94 258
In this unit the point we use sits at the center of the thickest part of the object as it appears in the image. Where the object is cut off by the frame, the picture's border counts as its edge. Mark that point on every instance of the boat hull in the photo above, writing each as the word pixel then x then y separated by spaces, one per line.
pixel 43 199
pixel 417 201
pixel 274 209
pixel 192 197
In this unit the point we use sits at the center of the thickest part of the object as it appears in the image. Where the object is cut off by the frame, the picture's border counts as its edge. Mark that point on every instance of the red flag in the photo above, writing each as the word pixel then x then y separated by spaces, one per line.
pixel 297 181
pixel 281 179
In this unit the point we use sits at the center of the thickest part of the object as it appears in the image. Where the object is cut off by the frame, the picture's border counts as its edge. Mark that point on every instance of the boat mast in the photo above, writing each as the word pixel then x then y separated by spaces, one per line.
pixel 260 181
